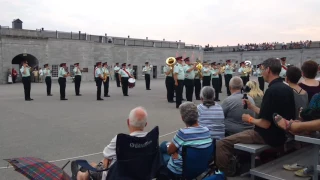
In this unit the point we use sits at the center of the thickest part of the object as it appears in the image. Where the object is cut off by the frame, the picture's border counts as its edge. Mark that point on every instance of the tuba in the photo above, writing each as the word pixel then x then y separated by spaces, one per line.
pixel 171 61
pixel 105 76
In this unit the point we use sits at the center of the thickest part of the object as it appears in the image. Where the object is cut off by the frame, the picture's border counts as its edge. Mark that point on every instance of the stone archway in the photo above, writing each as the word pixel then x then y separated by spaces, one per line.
pixel 17 63
pixel 32 61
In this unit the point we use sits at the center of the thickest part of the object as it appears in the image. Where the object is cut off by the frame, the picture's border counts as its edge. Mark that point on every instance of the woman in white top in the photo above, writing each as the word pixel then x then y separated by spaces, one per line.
pixel 211 114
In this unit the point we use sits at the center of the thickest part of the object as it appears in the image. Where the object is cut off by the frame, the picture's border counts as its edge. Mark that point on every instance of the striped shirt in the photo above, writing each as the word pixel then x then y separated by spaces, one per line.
pixel 213 119
pixel 198 137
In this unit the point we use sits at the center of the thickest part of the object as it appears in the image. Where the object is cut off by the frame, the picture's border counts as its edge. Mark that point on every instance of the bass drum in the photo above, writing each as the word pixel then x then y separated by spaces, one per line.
pixel 132 82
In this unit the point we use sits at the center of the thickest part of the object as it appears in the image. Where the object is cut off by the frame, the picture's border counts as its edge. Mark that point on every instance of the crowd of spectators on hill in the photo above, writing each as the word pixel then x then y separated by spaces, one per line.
pixel 265 46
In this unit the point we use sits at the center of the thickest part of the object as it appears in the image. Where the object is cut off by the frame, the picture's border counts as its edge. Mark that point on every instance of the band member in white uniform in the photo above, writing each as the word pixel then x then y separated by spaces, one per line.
pixel 147 70
pixel 116 74
pixel 124 77
pixel 215 80
pixel 242 72
pixel 47 74
pixel 189 78
pixel 99 78
pixel 105 70
pixel 26 80
pixel 284 68
pixel 178 80
pixel 168 71
pixel 206 74
pixel 260 78
pixel 228 75
pixel 77 78
pixel 62 75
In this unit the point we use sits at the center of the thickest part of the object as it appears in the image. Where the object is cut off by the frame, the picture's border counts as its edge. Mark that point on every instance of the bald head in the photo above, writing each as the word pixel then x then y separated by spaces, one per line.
pixel 138 117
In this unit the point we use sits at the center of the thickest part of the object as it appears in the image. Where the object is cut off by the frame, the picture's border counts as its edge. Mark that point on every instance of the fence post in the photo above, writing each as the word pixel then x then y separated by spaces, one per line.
pixel 71 34
pixel 79 35
pixel 57 34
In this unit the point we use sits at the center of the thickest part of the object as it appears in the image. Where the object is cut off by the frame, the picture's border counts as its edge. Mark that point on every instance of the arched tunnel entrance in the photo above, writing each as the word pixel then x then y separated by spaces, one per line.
pixel 17 63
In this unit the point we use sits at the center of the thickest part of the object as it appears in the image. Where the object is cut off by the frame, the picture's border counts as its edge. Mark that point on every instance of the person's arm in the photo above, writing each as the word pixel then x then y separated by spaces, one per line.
pixel 119 77
pixel 175 76
pixel 265 124
pixel 109 153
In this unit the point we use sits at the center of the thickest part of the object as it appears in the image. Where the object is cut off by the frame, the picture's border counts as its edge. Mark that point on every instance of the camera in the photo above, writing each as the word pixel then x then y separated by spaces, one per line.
pixel 245 90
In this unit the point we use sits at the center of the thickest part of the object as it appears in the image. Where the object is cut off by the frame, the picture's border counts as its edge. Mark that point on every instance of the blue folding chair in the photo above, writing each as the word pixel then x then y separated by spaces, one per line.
pixel 137 158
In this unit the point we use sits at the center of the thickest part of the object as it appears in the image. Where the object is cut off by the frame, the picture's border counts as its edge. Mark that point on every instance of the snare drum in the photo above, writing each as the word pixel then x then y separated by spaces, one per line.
pixel 131 82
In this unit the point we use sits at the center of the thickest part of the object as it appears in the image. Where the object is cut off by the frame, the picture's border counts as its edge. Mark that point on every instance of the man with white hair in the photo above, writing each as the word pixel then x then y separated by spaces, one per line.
pixel 233 108
pixel 137 121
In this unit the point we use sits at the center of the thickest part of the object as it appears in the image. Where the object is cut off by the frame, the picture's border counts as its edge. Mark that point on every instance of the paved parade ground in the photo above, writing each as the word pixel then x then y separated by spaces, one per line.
pixel 57 130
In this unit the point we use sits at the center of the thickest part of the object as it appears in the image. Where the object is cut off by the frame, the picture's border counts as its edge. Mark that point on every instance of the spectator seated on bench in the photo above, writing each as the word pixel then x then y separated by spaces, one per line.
pixel 134 156
pixel 198 140
pixel 278 98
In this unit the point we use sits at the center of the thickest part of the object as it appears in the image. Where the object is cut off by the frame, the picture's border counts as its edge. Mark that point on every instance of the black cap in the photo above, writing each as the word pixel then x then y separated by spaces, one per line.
pixel 103 64
pixel 76 64
pixel 241 63
pixel 218 63
pixel 186 59
pixel 258 65
pixel 45 65
pixel 227 61
pixel 98 63
pixel 283 58
pixel 24 62
pixel 123 64
pixel 117 63
pixel 146 63
pixel 62 64
pixel 179 58
pixel 213 63
pixel 129 64
pixel 205 62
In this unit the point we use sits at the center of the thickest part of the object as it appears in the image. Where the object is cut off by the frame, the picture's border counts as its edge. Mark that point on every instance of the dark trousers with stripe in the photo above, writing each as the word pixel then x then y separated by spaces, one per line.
pixel 179 89
pixel 220 82
pixel 206 81
pixel 27 87
pixel 244 80
pixel 98 84
pixel 227 78
pixel 147 80
pixel 261 83
pixel 216 86
pixel 197 88
pixel 124 84
pixel 106 87
pixel 77 82
pixel 48 83
pixel 62 84
pixel 117 79
pixel 189 84
pixel 170 88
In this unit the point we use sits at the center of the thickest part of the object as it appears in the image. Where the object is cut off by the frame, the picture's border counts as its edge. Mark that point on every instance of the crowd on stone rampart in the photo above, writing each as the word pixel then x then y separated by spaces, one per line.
pixel 265 46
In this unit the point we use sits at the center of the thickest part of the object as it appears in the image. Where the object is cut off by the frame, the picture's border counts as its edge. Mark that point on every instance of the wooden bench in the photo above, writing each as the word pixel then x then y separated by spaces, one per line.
pixel 274 169
pixel 253 149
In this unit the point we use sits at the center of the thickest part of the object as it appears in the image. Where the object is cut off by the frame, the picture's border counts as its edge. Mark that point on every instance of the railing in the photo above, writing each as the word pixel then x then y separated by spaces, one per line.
pixel 41 34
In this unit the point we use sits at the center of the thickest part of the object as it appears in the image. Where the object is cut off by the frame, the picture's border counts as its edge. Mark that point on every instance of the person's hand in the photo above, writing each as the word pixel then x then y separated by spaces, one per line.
pixel 175 155
pixel 246 118
pixel 244 101
pixel 176 83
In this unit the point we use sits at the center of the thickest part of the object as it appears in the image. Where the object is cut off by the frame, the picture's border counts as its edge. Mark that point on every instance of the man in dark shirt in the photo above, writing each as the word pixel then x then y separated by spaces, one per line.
pixel 279 99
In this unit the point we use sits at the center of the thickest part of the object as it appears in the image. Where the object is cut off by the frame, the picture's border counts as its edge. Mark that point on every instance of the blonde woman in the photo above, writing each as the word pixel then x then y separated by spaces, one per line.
pixel 255 92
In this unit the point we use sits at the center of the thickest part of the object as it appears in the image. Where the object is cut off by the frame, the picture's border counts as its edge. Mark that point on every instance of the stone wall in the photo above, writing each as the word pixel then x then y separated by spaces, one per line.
pixel 295 57
pixel 87 53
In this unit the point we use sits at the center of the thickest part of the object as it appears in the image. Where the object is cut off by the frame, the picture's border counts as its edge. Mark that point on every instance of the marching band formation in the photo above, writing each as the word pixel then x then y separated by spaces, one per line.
pixel 189 75
pixel 178 75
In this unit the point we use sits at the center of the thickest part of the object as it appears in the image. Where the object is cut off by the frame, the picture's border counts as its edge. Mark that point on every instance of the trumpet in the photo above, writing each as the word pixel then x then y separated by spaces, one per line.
pixel 171 61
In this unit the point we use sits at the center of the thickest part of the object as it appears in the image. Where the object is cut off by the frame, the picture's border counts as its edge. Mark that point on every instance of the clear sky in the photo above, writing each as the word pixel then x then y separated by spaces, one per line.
pixel 214 22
